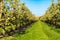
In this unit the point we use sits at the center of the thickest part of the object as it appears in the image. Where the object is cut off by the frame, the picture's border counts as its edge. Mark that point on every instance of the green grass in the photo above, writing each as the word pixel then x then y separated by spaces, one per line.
pixel 0 30
pixel 37 31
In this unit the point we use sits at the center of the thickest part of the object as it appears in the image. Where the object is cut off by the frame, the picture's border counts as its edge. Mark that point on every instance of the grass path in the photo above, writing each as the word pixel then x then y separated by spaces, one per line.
pixel 50 32
pixel 38 31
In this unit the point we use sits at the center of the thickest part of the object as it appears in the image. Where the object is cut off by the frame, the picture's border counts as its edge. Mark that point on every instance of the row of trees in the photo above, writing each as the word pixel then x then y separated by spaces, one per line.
pixel 52 15
pixel 14 15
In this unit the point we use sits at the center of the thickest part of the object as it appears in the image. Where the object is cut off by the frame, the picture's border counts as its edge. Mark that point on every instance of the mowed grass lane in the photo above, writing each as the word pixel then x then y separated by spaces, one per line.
pixel 37 31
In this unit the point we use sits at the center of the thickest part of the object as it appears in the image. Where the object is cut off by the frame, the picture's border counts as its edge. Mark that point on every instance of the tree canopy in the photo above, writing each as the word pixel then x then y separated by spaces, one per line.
pixel 52 15
pixel 14 15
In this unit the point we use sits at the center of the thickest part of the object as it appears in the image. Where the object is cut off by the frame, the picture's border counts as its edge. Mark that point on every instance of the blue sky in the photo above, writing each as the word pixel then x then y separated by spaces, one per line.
pixel 38 7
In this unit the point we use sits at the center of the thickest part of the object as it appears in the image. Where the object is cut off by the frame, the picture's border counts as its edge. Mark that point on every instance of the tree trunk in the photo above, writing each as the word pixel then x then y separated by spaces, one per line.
pixel 4 31
pixel 0 8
